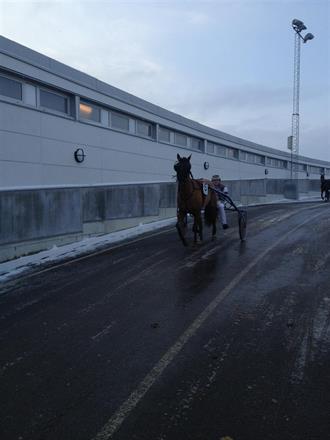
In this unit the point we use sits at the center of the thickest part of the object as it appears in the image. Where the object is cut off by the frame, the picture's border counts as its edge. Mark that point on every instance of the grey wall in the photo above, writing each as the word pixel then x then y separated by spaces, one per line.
pixel 32 215
pixel 26 215
pixel 42 213
pixel 263 187
pixel 124 201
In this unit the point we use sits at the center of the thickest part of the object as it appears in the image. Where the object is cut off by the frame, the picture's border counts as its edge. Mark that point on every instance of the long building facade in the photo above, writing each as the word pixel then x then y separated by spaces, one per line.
pixel 61 127
pixel 79 157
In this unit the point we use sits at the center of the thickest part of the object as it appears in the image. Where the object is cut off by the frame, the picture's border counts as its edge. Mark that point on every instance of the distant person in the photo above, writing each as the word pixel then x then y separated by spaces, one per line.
pixel 325 188
pixel 221 207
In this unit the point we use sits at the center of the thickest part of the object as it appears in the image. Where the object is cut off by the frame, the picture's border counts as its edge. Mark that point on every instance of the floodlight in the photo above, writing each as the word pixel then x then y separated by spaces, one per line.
pixel 308 37
pixel 297 23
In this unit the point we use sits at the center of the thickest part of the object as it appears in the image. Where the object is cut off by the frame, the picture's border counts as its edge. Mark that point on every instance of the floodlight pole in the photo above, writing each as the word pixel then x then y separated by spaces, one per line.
pixel 298 26
pixel 295 111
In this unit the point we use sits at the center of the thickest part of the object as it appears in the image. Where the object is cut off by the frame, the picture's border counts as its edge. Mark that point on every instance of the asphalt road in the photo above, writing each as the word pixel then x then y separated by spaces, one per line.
pixel 153 341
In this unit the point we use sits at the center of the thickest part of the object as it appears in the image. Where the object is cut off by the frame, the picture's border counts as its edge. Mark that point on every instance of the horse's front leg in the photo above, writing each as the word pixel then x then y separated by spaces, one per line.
pixel 198 226
pixel 181 226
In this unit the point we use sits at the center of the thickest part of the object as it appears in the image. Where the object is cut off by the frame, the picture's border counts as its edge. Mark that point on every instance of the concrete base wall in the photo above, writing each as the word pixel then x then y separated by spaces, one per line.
pixel 34 220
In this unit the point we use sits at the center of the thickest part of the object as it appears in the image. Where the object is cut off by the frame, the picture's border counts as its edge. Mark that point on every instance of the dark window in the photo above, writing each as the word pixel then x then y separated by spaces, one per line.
pixel 221 150
pixel 260 159
pixel 210 147
pixel 144 128
pixel 164 134
pixel 181 139
pixel 243 155
pixel 197 144
pixel 53 101
pixel 10 88
pixel 119 121
pixel 232 153
pixel 316 170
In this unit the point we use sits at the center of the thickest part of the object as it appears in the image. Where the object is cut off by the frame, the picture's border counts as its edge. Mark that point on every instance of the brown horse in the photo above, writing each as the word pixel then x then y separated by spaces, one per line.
pixel 191 200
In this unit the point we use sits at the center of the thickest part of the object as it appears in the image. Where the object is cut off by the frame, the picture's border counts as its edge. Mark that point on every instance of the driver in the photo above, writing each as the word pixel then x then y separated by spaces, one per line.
pixel 221 207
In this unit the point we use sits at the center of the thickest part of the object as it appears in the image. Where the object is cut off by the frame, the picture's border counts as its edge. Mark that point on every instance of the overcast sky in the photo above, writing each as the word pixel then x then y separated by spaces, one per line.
pixel 226 64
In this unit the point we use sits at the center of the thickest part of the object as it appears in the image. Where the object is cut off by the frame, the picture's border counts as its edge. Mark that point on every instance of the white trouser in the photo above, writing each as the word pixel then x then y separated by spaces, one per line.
pixel 221 209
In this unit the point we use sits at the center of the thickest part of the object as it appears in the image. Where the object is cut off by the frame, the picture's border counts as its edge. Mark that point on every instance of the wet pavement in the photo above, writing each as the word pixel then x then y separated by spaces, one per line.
pixel 154 341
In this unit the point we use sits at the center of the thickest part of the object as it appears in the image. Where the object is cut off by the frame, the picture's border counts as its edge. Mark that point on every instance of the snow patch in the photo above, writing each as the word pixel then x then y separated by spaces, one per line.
pixel 13 268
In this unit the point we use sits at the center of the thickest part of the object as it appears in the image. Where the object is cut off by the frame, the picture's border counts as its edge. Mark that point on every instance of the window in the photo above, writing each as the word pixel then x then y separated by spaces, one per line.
pixel 89 111
pixel 197 144
pixel 53 101
pixel 278 163
pixel 164 134
pixel 30 94
pixel 210 147
pixel 243 155
pixel 104 117
pixel 270 162
pixel 119 121
pixel 254 158
pixel 232 153
pixel 300 167
pixel 221 150
pixel 259 159
pixel 181 139
pixel 250 157
pixel 10 88
pixel 316 170
pixel 144 129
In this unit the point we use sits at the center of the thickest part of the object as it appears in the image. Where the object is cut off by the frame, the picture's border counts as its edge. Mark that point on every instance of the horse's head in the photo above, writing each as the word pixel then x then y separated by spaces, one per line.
pixel 182 168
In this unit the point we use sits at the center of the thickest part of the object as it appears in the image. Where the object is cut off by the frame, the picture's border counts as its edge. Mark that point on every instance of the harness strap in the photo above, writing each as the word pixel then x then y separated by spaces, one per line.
pixel 194 188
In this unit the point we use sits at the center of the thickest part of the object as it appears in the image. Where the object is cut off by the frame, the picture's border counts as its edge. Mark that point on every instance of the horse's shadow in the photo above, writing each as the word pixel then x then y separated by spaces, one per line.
pixel 198 271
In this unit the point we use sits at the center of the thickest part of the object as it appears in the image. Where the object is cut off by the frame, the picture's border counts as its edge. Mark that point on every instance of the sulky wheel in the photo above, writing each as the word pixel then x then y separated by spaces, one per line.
pixel 242 222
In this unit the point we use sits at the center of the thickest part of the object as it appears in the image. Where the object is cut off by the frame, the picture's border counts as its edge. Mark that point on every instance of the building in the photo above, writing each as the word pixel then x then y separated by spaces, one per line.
pixel 49 111
pixel 63 129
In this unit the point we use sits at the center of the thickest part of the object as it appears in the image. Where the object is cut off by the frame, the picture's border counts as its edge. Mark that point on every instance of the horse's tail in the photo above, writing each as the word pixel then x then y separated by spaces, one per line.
pixel 211 213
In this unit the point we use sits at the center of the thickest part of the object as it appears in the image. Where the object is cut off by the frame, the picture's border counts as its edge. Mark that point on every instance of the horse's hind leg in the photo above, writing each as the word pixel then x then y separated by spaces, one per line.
pixel 200 227
pixel 214 230
pixel 195 230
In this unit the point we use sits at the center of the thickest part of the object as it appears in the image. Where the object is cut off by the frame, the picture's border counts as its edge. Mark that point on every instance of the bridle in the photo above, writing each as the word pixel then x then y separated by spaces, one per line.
pixel 182 168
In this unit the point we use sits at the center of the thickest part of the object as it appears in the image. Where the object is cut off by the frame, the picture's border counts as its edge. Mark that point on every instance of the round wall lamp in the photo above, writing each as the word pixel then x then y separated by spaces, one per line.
pixel 206 165
pixel 79 155
pixel 266 171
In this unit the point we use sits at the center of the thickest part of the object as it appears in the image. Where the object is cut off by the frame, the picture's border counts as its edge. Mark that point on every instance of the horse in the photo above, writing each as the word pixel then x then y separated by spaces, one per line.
pixel 325 188
pixel 191 200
